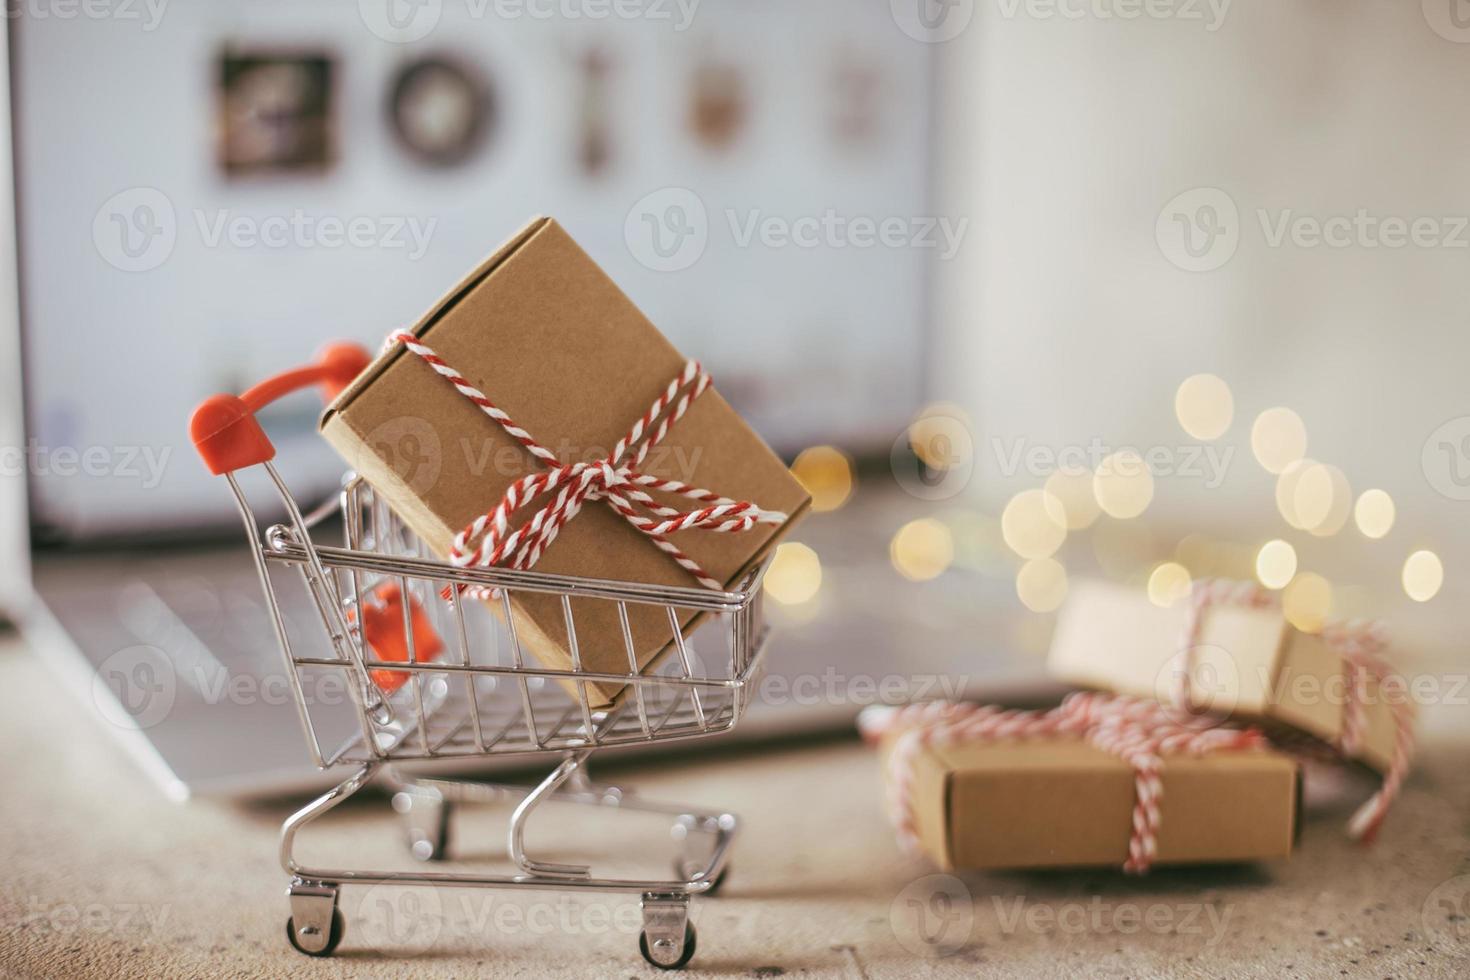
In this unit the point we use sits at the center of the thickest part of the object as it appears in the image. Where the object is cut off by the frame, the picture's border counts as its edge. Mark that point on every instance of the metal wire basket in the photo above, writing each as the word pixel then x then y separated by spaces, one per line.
pixel 433 676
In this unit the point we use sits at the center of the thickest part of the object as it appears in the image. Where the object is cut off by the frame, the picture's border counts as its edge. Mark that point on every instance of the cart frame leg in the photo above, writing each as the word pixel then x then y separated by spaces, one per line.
pixel 516 836
pixel 321 805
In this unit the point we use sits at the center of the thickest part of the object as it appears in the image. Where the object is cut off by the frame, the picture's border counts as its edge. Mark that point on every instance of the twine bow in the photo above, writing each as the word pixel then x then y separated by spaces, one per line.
pixel 1359 642
pixel 488 539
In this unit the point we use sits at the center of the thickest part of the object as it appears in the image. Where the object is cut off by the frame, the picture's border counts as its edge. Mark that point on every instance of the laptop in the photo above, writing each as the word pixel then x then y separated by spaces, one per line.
pixel 149 274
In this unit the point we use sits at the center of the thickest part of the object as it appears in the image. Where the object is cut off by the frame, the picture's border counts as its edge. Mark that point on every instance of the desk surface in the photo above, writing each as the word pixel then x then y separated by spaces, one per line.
pixel 105 878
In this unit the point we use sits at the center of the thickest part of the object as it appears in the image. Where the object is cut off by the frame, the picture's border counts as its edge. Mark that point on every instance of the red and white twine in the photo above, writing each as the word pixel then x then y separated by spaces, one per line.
pixel 1359 643
pixel 488 539
pixel 1136 730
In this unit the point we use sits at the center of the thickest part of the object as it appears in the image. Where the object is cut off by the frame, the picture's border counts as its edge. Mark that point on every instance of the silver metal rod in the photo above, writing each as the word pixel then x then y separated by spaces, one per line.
pixel 278 623
pixel 517 660
pixel 471 690
pixel 684 661
pixel 633 669
pixel 522 581
pixel 516 839
pixel 566 611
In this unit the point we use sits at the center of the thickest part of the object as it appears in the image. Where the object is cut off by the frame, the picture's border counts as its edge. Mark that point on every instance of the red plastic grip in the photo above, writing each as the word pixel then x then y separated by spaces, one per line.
pixel 224 429
pixel 382 627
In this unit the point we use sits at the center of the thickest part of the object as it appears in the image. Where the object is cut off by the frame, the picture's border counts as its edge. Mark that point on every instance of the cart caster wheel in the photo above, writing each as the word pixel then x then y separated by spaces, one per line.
pixel 334 935
pixel 663 956
pixel 427 825
pixel 438 845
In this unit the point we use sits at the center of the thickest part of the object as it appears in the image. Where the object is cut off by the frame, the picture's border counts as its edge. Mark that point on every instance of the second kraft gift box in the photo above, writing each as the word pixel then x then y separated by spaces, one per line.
pixel 550 339
pixel 1059 802
pixel 1248 663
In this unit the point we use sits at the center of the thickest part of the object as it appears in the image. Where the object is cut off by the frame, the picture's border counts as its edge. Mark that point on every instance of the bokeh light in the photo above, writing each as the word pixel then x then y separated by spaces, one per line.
pixel 1307 602
pixel 1423 576
pixel 1286 487
pixel 1042 584
pixel 921 549
pixel 1069 498
pixel 1029 527
pixel 826 473
pixel 1278 439
pixel 1276 564
pixel 1168 583
pixel 1374 513
pixel 930 436
pixel 795 575
pixel 1123 485
pixel 1204 406
pixel 1323 499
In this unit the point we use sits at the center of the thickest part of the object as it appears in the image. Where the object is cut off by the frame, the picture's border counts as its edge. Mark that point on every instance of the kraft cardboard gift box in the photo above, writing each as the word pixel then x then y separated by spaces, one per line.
pixel 546 335
pixel 1249 663
pixel 1059 802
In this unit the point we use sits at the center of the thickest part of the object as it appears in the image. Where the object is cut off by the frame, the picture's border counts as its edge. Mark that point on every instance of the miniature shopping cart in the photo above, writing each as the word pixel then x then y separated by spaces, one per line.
pixel 439 680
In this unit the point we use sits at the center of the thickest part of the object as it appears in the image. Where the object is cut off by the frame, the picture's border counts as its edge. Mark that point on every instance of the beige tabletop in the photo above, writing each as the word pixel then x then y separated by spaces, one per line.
pixel 103 877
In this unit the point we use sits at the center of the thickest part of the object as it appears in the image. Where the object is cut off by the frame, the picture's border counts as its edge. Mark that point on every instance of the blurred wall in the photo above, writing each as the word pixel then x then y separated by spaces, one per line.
pixel 1076 309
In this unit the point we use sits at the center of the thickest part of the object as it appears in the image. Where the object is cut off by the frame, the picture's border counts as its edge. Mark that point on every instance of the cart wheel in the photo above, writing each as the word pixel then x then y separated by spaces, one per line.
pixel 439 846
pixel 684 956
pixel 334 936
pixel 427 823
pixel 684 870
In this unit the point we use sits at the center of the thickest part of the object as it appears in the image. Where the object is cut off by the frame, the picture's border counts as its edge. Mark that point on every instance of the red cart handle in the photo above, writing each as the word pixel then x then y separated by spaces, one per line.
pixel 224 427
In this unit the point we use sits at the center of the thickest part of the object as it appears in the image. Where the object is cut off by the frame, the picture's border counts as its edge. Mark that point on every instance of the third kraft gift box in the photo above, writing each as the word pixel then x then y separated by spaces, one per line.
pixel 545 335
pixel 1247 662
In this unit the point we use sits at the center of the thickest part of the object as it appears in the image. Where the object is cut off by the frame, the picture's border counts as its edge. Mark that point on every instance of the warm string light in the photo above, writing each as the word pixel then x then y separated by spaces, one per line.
pixel 1278 439
pixel 1204 406
pixel 1123 485
pixel 1422 576
pixel 1307 602
pixel 795 575
pixel 1168 583
pixel 1310 495
pixel 1374 513
pixel 922 549
pixel 1069 498
pixel 1276 564
pixel 1041 584
pixel 826 473
pixel 1030 526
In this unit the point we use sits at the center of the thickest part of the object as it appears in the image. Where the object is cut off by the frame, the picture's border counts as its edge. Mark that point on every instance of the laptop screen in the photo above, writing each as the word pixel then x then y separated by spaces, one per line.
pixel 209 192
